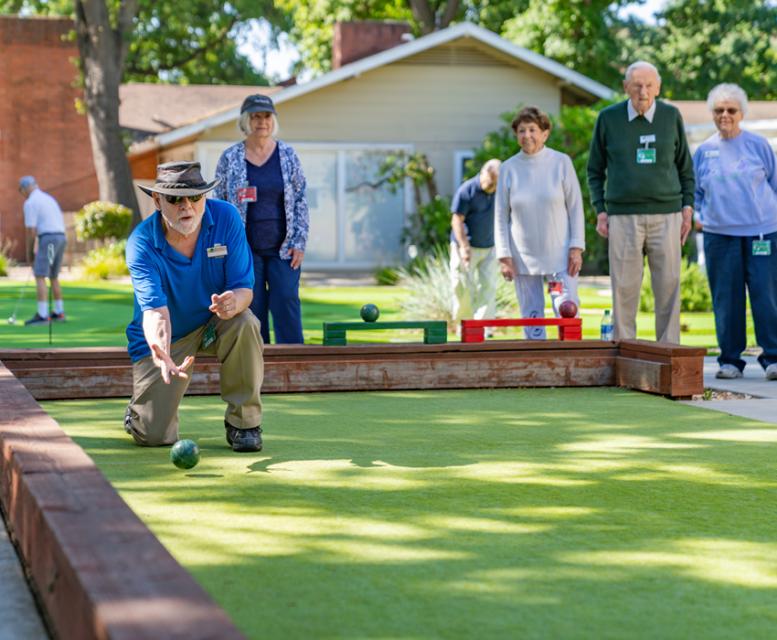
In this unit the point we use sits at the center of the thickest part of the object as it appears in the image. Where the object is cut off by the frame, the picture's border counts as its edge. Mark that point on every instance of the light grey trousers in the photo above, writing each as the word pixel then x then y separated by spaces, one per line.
pixel 530 291
pixel 632 237
pixel 474 287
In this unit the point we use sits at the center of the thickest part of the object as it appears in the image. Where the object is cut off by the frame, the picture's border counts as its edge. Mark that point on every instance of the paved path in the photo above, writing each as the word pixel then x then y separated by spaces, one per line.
pixel 762 407
pixel 19 618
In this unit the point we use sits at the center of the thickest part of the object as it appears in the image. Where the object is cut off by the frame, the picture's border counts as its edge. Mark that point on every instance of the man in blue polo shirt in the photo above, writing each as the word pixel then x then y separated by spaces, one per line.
pixel 193 281
pixel 473 258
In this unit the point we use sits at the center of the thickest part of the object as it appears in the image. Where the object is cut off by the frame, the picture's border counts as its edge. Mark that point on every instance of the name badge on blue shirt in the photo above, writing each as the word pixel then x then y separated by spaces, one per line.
pixel 712 153
pixel 217 251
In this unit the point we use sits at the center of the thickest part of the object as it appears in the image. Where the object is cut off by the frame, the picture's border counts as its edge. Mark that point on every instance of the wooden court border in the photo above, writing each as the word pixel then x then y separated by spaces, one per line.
pixel 97 569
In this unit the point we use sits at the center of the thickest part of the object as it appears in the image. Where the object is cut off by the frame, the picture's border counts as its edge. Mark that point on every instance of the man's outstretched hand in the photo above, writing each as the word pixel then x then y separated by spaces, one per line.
pixel 167 366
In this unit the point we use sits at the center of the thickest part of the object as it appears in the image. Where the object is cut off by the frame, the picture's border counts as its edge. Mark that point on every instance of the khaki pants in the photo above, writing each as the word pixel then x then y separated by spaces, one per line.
pixel 474 288
pixel 153 410
pixel 632 237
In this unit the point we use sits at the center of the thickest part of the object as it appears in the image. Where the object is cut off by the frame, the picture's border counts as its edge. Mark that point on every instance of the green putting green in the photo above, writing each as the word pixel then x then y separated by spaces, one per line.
pixel 548 513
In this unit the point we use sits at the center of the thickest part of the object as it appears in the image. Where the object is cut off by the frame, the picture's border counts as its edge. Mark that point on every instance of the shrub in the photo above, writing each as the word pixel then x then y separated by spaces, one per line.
pixel 387 276
pixel 695 292
pixel 429 227
pixel 103 221
pixel 6 262
pixel 106 262
pixel 430 294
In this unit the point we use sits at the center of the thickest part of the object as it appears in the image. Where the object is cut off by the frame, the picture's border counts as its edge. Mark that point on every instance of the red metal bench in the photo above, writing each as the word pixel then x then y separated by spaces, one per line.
pixel 568 328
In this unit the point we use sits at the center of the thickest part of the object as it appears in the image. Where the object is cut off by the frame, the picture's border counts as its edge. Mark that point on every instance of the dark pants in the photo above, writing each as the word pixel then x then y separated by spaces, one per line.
pixel 732 267
pixel 276 290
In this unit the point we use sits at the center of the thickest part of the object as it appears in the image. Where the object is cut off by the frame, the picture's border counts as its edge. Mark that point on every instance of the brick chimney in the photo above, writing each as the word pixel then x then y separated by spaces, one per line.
pixel 356 40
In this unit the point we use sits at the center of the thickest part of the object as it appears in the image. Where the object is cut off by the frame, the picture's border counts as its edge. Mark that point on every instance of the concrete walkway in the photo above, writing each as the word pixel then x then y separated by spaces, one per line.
pixel 19 617
pixel 763 405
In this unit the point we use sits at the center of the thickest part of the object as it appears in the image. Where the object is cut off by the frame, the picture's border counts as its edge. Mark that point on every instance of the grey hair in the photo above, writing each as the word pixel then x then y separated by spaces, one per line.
pixel 244 124
pixel 492 167
pixel 727 91
pixel 640 64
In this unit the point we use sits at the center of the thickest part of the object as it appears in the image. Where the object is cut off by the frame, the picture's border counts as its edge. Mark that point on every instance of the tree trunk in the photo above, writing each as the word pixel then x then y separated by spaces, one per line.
pixel 426 14
pixel 102 52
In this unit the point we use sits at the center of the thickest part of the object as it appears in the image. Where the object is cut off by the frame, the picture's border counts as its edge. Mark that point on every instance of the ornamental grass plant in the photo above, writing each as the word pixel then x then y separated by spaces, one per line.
pixel 429 294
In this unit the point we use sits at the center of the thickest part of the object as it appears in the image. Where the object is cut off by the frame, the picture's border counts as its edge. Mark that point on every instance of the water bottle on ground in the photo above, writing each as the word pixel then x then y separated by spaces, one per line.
pixel 606 331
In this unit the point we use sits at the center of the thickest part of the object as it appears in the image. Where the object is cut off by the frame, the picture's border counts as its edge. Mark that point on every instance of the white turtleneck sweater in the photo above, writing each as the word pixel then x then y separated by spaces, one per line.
pixel 538 212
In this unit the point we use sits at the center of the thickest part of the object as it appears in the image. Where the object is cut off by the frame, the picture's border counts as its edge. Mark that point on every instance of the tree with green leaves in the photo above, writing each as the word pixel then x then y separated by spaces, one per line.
pixel 145 40
pixel 700 43
pixel 313 23
pixel 585 35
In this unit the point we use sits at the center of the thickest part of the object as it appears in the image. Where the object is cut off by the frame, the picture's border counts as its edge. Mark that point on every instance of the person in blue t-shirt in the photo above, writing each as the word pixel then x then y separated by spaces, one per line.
pixel 736 195
pixel 473 260
pixel 193 280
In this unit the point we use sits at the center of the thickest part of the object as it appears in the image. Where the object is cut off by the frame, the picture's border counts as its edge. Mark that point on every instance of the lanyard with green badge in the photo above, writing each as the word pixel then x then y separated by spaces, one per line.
pixel 646 155
pixel 209 337
pixel 762 247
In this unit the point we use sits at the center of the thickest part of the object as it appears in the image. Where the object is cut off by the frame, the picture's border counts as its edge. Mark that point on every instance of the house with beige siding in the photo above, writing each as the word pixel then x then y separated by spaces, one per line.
pixel 439 94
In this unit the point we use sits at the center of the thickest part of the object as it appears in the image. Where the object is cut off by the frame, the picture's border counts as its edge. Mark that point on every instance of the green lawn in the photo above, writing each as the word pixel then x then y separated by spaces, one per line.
pixel 546 513
pixel 98 314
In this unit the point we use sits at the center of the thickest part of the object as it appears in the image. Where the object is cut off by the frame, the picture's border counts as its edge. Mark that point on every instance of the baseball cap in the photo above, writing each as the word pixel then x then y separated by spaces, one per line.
pixel 257 103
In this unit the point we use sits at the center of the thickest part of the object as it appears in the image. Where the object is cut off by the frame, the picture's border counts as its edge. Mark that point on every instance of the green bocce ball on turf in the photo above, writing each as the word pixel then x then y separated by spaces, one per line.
pixel 185 454
pixel 369 313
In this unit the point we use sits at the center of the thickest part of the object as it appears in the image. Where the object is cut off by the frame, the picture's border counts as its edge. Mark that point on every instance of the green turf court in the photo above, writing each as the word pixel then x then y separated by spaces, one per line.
pixel 546 513
pixel 98 313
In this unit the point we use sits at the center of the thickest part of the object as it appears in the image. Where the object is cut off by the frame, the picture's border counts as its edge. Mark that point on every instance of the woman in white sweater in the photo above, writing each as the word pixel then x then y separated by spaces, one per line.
pixel 538 220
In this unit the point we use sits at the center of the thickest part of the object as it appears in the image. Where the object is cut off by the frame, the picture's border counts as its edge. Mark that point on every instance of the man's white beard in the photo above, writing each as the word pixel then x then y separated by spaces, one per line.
pixel 184 228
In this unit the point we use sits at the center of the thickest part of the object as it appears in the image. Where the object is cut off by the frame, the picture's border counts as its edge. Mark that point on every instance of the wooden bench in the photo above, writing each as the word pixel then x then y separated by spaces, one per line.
pixel 435 331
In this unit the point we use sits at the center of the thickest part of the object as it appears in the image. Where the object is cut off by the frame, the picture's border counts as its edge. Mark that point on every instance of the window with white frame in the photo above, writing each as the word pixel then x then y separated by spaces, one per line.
pixel 460 159
pixel 356 217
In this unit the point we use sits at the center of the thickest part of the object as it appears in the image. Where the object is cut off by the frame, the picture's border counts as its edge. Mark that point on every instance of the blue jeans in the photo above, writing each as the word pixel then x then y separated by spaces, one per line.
pixel 732 267
pixel 276 290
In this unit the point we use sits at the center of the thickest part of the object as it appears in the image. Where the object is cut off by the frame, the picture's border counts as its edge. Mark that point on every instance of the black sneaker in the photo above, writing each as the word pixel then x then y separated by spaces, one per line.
pixel 58 317
pixel 244 439
pixel 128 421
pixel 36 319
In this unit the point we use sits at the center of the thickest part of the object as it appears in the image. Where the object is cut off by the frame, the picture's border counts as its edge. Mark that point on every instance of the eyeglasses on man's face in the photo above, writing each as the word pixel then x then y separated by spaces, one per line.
pixel 719 111
pixel 177 199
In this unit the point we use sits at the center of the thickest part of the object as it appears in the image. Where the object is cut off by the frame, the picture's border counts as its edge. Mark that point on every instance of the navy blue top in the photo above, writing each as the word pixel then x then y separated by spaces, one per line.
pixel 162 277
pixel 477 207
pixel 266 218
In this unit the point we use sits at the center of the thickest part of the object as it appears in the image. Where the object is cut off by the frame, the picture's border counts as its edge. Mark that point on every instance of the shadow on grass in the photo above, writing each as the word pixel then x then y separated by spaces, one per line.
pixel 568 513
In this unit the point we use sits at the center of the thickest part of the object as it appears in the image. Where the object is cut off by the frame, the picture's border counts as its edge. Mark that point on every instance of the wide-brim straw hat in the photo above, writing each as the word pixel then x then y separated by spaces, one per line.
pixel 179 179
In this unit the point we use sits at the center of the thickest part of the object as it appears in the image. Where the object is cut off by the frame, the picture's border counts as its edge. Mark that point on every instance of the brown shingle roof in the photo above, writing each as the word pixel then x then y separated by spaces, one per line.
pixel 155 108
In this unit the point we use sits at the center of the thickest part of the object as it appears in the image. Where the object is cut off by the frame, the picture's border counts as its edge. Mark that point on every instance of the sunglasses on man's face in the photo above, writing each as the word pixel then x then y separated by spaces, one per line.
pixel 729 110
pixel 177 199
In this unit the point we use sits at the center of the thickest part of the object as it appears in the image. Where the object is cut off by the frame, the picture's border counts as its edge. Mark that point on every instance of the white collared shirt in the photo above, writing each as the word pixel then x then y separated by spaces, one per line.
pixel 633 113
pixel 42 213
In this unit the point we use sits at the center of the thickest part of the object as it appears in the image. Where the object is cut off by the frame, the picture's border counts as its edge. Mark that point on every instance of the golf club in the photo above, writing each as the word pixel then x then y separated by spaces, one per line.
pixel 22 291
pixel 50 251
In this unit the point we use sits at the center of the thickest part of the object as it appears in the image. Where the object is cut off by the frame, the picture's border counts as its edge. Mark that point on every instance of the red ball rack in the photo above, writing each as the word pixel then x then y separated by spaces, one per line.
pixel 568 328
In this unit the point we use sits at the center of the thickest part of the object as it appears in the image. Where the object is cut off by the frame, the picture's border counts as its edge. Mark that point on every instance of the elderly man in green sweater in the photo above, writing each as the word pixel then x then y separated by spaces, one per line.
pixel 641 180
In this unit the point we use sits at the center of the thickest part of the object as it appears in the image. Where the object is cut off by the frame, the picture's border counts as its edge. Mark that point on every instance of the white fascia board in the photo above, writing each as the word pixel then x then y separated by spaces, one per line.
pixel 464 29
pixel 164 139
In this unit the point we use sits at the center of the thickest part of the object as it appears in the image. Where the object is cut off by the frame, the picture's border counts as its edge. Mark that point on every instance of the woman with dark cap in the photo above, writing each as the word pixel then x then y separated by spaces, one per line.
pixel 263 178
